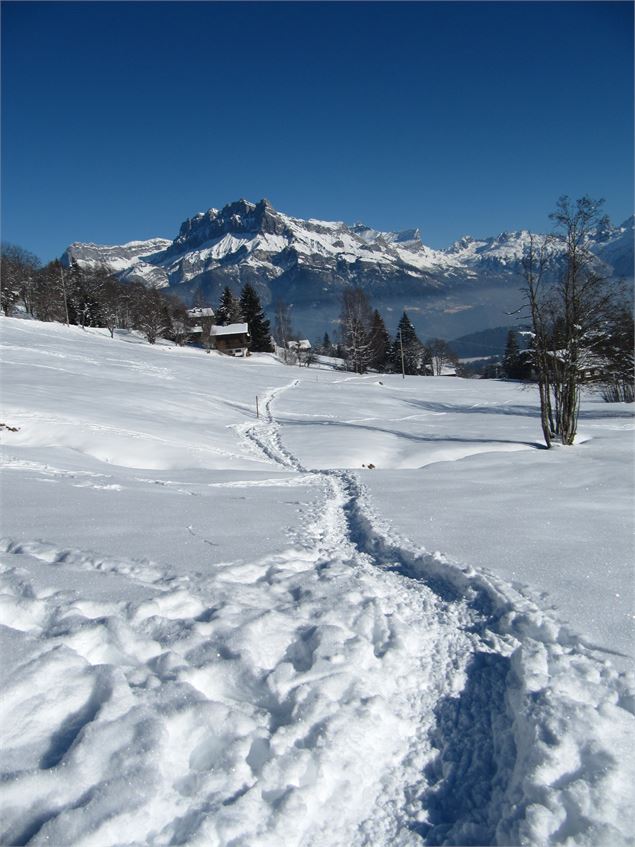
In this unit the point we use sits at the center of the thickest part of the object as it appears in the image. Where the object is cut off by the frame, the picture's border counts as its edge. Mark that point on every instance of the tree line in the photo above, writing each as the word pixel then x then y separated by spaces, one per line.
pixel 365 343
pixel 94 297
pixel 86 297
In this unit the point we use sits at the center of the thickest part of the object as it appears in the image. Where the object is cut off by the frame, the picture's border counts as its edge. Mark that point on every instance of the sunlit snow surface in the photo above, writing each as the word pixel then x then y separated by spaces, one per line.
pixel 222 630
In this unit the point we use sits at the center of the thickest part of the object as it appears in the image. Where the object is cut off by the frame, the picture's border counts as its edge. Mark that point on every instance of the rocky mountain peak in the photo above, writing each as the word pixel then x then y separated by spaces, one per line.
pixel 461 244
pixel 237 218
pixel 408 235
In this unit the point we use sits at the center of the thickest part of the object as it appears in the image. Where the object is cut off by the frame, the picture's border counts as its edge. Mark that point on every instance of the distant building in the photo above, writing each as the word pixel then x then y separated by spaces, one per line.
pixel 297 346
pixel 200 312
pixel 200 319
pixel 233 339
pixel 199 323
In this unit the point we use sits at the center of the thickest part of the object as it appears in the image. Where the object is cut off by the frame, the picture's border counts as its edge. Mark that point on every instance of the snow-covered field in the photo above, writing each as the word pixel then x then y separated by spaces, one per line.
pixel 220 629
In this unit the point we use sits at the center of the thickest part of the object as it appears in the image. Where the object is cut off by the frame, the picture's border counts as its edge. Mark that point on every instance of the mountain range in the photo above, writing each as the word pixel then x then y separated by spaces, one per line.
pixel 472 285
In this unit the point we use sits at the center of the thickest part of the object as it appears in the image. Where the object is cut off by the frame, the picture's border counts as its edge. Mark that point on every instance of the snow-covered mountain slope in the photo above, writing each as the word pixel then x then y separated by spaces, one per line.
pixel 132 261
pixel 218 629
pixel 309 262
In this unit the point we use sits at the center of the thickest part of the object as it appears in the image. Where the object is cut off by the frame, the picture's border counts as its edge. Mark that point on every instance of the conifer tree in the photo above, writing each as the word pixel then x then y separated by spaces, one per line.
pixel 408 346
pixel 229 311
pixel 355 324
pixel 512 362
pixel 379 342
pixel 252 313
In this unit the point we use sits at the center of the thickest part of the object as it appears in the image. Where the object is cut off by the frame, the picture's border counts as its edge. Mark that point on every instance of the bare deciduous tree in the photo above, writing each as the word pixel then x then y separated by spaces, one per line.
pixel 441 355
pixel 535 262
pixel 282 328
pixel 569 315
pixel 18 272
pixel 154 318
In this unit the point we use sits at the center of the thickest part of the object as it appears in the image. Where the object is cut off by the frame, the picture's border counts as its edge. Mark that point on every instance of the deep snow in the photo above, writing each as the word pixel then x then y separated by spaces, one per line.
pixel 222 630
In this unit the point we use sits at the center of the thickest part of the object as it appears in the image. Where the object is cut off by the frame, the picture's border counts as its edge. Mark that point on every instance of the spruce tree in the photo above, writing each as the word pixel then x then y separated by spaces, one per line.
pixel 407 342
pixel 514 363
pixel 379 342
pixel 355 324
pixel 228 311
pixel 252 313
pixel 510 359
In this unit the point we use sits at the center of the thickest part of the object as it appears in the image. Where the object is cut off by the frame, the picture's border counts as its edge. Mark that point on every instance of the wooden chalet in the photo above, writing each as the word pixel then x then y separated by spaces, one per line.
pixel 232 340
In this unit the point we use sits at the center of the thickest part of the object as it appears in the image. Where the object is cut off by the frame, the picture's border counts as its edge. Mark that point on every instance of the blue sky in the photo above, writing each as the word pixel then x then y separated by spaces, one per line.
pixel 122 119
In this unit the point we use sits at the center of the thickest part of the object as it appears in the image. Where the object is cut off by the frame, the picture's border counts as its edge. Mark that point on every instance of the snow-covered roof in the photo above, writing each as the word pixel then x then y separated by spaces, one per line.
pixel 303 344
pixel 200 312
pixel 230 329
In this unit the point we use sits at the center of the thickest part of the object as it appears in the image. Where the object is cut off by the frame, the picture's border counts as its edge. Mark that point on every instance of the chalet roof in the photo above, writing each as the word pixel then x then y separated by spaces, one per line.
pixel 303 344
pixel 200 312
pixel 230 329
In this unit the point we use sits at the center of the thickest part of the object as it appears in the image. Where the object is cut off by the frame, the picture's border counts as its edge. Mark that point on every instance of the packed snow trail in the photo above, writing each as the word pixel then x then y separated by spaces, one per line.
pixel 418 639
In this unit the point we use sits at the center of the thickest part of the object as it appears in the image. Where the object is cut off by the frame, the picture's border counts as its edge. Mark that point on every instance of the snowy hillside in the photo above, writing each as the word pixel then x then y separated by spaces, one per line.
pixel 221 629
pixel 449 292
